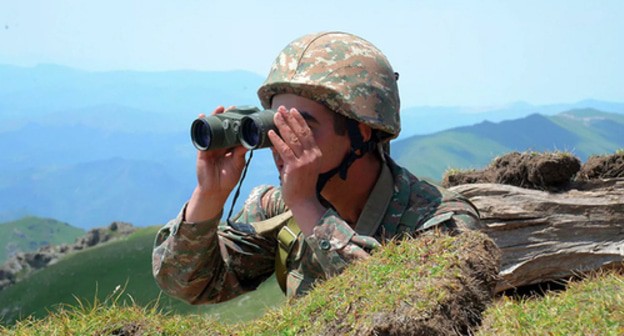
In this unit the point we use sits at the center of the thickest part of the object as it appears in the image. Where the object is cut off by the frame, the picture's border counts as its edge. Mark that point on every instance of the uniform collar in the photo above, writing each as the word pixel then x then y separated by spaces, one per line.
pixel 375 208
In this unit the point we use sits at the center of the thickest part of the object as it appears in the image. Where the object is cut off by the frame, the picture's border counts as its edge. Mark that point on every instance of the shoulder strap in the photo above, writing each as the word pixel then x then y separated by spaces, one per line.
pixel 286 239
pixel 273 223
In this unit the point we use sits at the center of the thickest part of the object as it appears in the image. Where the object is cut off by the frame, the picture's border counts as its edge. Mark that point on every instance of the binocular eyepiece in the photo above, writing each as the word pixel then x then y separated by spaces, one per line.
pixel 247 126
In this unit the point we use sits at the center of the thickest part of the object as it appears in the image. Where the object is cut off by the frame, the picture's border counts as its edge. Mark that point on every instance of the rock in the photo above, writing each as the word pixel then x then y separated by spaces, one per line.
pixel 6 278
pixel 546 236
pixel 21 264
pixel 38 260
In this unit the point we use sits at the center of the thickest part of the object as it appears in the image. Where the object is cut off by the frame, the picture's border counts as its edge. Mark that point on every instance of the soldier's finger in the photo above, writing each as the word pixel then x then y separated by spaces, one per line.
pixel 301 129
pixel 292 118
pixel 284 151
pixel 217 110
pixel 287 134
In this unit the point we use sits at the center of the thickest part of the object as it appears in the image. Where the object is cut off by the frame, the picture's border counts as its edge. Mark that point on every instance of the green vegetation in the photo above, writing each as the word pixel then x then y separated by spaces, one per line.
pixel 591 307
pixel 594 306
pixel 455 171
pixel 409 280
pixel 412 280
pixel 565 154
pixel 595 135
pixel 97 272
pixel 430 156
pixel 30 233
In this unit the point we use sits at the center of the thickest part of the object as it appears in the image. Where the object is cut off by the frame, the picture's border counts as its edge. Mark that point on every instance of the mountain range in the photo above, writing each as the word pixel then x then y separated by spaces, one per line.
pixel 423 120
pixel 582 132
pixel 90 148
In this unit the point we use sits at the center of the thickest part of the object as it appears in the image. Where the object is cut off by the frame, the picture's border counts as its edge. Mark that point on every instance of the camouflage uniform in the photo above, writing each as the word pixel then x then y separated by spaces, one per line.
pixel 211 262
pixel 206 262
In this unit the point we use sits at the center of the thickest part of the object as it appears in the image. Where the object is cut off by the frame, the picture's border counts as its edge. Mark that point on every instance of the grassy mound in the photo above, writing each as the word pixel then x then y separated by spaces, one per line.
pixel 433 284
pixel 594 306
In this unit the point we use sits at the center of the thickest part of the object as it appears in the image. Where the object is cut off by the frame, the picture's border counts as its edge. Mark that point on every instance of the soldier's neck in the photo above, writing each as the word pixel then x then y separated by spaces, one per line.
pixel 349 197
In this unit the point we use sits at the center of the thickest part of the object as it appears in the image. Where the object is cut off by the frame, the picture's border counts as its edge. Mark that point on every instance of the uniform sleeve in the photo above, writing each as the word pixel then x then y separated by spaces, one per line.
pixel 454 216
pixel 335 244
pixel 208 262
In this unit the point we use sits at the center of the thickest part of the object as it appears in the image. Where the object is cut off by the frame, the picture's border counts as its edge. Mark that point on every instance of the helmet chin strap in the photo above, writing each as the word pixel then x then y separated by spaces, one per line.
pixel 358 149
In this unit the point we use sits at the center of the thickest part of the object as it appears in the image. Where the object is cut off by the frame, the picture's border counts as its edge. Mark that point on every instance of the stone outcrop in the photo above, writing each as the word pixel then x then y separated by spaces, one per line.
pixel 24 263
pixel 546 236
pixel 572 224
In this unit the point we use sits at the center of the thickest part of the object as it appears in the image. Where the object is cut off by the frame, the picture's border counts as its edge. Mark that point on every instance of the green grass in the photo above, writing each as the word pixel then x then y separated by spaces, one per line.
pixel 594 306
pixel 419 276
pixel 28 234
pixel 414 278
pixel 95 273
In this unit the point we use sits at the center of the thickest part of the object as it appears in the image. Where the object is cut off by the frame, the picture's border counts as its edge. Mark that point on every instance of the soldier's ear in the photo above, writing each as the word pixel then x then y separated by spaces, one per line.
pixel 365 131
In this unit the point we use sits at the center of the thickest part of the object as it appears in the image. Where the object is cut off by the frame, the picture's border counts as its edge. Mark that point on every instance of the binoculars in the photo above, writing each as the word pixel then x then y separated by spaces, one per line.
pixel 247 126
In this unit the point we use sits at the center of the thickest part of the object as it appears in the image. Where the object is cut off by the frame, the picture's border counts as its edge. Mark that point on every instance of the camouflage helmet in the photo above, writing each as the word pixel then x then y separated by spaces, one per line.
pixel 345 73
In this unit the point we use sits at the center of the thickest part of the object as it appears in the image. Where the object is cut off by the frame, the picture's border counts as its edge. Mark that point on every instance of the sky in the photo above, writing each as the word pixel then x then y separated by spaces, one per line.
pixel 451 53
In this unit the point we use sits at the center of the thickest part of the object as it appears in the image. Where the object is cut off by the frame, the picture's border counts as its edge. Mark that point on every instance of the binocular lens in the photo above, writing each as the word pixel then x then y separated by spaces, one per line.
pixel 250 133
pixel 201 134
pixel 255 129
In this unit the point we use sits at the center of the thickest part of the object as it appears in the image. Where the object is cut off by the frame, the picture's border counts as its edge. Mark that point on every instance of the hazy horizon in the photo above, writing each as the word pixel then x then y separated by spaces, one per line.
pixel 465 108
pixel 449 53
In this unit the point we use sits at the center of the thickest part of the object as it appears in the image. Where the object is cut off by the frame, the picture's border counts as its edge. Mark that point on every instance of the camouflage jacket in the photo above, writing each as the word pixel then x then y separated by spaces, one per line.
pixel 208 262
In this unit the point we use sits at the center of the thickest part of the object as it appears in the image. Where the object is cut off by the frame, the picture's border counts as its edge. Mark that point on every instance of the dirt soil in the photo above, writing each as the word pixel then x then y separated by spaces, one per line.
pixel 603 166
pixel 129 329
pixel 542 171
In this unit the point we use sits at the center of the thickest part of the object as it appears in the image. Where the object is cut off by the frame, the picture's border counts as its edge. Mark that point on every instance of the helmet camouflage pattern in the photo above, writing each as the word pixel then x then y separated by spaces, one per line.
pixel 344 72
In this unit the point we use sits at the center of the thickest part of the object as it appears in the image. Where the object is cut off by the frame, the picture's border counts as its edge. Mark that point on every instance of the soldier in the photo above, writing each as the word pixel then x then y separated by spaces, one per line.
pixel 340 196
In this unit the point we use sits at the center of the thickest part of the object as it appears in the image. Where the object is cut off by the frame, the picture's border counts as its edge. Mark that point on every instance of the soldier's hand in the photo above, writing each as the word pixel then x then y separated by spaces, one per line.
pixel 218 171
pixel 299 161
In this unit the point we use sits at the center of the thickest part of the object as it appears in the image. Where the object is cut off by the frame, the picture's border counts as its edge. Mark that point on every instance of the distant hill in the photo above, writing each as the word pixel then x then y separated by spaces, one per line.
pixel 90 148
pixel 97 192
pixel 88 194
pixel 94 147
pixel 30 233
pixel 423 120
pixel 95 274
pixel 583 132
pixel 51 89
